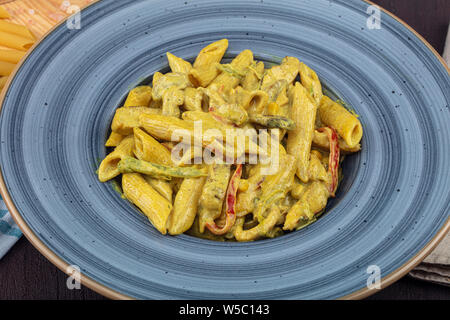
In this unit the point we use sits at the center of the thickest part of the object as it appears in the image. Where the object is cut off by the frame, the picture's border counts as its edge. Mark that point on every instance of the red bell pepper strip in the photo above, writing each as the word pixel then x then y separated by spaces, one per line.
pixel 333 165
pixel 230 199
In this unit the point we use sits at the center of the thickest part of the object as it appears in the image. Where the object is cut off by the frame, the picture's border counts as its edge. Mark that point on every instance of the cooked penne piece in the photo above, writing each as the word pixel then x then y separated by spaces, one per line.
pixel 16 29
pixel 156 77
pixel 109 167
pixel 346 124
pixel 205 69
pixel 6 68
pixel 213 194
pixel 139 97
pixel 177 130
pixel 163 187
pixel 303 112
pixel 15 42
pixel 177 64
pixel 275 187
pixel 153 205
pixel 317 171
pixel 312 202
pixel 261 230
pixel 321 140
pixel 148 149
pixel 287 71
pixel 12 56
pixel 252 79
pixel 130 165
pixel 311 82
pixel 4 14
pixel 185 206
pixel 169 80
pixel 211 54
pixel 193 98
pixel 114 139
pixel 126 119
pixel 233 73
pixel 173 98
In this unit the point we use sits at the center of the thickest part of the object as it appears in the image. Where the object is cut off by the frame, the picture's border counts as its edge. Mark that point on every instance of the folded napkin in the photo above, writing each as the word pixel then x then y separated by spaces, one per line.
pixel 436 267
pixel 9 233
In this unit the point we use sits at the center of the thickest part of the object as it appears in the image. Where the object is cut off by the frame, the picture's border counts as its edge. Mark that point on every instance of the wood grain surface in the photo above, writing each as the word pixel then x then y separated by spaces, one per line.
pixel 41 15
pixel 26 274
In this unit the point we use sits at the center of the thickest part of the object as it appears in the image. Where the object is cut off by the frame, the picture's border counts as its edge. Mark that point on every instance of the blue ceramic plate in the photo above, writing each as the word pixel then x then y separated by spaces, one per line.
pixel 392 207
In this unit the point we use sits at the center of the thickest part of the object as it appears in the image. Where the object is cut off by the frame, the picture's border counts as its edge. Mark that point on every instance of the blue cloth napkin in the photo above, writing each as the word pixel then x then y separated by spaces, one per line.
pixel 9 232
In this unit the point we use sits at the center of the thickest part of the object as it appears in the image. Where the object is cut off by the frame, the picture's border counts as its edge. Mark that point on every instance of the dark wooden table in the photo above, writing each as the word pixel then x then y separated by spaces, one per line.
pixel 26 274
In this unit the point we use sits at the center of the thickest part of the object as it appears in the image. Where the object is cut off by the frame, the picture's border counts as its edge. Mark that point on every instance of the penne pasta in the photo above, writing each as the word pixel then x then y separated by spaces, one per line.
pixel 16 29
pixel 185 205
pixel 4 14
pixel 205 69
pixel 303 112
pixel 311 82
pixel 139 97
pixel 148 149
pixel 213 194
pixel 12 56
pixel 346 124
pixel 15 42
pixel 114 139
pixel 229 151
pixel 126 119
pixel 109 166
pixel 3 82
pixel 177 64
pixel 233 73
pixel 163 187
pixel 6 68
pixel 152 204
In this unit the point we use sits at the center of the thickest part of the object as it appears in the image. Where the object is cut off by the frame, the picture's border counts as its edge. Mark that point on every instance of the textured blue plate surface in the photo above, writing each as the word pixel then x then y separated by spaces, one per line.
pixel 393 201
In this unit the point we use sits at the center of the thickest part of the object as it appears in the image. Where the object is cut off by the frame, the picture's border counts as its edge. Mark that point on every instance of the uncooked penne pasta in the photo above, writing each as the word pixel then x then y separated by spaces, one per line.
pixel 15 42
pixel 6 68
pixel 3 82
pixel 4 14
pixel 185 205
pixel 152 204
pixel 12 56
pixel 16 29
pixel 139 97
pixel 303 112
pixel 346 124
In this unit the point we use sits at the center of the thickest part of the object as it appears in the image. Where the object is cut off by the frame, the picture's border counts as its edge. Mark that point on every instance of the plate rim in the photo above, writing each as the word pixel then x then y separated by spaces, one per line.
pixel 104 290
